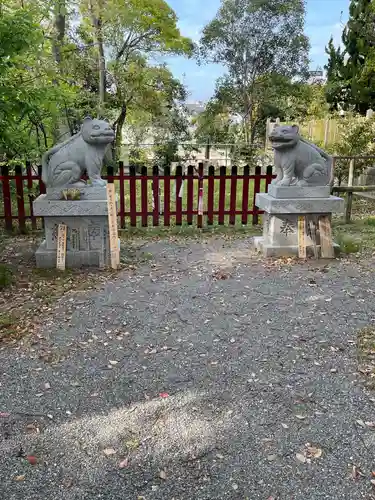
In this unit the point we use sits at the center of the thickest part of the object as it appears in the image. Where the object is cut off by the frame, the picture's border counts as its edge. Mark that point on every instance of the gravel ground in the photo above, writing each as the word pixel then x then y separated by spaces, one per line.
pixel 205 373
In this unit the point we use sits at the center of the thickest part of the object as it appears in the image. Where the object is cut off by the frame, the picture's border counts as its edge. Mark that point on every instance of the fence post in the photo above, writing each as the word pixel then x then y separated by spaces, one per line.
pixel 269 175
pixel 122 193
pixel 258 173
pixel 190 195
pixel 7 201
pixel 178 184
pixel 233 196
pixel 42 187
pixel 144 201
pixel 349 196
pixel 210 195
pixel 200 195
pixel 20 200
pixel 167 195
pixel 245 194
pixel 222 186
pixel 155 196
pixel 133 196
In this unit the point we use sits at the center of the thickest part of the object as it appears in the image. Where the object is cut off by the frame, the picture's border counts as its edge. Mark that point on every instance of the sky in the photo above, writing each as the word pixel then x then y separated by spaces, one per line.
pixel 323 19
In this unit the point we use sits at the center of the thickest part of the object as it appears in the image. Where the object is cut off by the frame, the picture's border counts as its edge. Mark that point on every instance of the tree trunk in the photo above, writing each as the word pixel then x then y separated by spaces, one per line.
pixel 119 126
pixel 98 36
pixel 60 127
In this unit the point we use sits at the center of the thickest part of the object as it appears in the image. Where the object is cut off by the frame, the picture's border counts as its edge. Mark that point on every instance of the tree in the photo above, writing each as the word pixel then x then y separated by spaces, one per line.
pixel 351 71
pixel 130 32
pixel 256 40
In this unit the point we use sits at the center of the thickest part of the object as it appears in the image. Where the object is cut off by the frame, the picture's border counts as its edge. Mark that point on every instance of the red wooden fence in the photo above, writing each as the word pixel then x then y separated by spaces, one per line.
pixel 150 199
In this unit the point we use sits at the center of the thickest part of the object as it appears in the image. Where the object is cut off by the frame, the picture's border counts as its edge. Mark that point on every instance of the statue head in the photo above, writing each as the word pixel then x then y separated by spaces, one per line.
pixel 96 131
pixel 284 136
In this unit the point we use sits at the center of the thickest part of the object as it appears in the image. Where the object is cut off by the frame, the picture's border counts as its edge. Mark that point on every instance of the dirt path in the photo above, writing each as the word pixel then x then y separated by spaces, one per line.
pixel 173 383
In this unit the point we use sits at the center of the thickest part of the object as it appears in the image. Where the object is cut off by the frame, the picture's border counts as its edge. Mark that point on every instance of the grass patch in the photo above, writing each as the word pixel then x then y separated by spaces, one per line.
pixel 366 354
pixel 6 276
pixel 358 236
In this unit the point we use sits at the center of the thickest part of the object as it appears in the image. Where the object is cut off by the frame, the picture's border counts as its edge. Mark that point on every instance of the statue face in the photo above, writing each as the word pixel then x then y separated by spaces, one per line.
pixel 97 131
pixel 284 136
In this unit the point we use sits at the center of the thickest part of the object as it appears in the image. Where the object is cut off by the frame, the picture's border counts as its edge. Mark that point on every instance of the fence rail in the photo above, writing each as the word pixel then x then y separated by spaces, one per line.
pixel 223 196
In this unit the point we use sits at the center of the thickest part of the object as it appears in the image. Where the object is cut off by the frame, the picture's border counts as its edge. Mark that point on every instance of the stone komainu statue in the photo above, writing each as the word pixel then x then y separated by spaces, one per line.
pixel 65 163
pixel 297 161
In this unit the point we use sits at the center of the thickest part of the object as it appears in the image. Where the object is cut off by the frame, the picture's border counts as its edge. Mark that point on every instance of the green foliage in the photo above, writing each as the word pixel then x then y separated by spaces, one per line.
pixel 355 138
pixel 49 79
pixel 348 244
pixel 351 72
pixel 6 276
pixel 262 45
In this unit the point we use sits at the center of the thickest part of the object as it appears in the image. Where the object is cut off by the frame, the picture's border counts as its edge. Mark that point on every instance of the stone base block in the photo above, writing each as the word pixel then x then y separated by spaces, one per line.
pixel 292 192
pixel 272 205
pixel 86 193
pixel 285 251
pixel 69 208
pixel 74 259
pixel 280 235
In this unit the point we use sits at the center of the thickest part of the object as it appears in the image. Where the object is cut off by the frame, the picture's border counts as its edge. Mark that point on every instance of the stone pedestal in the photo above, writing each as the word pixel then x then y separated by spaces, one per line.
pixel 87 228
pixel 282 206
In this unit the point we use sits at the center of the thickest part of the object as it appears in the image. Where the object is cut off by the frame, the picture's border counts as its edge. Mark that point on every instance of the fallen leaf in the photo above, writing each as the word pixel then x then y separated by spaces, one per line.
pixel 31 459
pixel 124 463
pixel 32 428
pixel 164 395
pixel 20 478
pixel 163 475
pixel 314 452
pixel 109 451
pixel 301 458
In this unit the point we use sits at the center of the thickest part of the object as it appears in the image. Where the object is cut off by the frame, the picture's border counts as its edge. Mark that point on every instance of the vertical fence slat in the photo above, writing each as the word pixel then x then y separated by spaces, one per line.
pixel 210 195
pixel 223 173
pixel 7 198
pixel 190 194
pixel 110 174
pixel 20 199
pixel 245 194
pixel 258 173
pixel 30 188
pixel 167 196
pixel 144 201
pixel 42 187
pixel 200 196
pixel 156 198
pixel 133 196
pixel 122 193
pixel 233 196
pixel 178 198
pixel 269 175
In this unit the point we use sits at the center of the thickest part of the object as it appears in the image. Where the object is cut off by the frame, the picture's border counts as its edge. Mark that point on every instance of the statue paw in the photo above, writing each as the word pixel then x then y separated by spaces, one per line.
pixel 285 182
pixel 99 183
